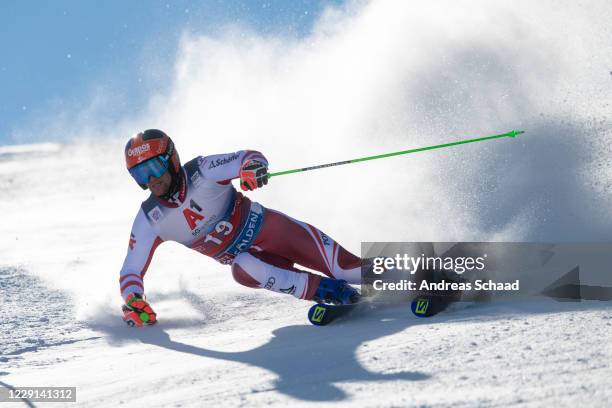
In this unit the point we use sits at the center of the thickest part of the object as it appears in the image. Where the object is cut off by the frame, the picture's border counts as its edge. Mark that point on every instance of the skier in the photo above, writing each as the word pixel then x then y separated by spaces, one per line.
pixel 197 206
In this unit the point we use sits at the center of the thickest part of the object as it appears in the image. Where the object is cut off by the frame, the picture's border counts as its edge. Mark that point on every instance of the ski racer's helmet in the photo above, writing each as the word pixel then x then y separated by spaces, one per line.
pixel 152 153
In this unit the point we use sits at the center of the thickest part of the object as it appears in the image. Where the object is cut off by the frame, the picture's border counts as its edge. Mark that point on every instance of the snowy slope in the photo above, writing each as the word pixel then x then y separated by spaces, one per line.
pixel 538 355
pixel 371 78
pixel 219 343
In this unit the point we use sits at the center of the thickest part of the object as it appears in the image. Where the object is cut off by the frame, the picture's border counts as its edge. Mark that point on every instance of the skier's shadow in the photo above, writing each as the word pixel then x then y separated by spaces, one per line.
pixel 308 360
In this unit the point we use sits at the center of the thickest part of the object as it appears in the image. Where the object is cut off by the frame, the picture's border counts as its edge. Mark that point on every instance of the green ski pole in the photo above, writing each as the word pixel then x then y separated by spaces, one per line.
pixel 512 133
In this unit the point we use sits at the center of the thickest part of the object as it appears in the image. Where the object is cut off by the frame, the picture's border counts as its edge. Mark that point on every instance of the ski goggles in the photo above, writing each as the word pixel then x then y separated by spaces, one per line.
pixel 155 167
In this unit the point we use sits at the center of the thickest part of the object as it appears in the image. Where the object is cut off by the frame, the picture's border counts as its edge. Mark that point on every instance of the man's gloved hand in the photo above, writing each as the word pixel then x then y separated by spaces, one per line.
pixel 253 174
pixel 137 312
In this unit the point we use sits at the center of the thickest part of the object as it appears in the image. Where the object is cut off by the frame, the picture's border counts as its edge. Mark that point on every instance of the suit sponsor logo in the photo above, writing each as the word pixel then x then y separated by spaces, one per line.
pixel 221 162
pixel 226 259
pixel 195 179
pixel 155 214
pixel 290 290
pixel 204 226
pixel 132 241
pixel 270 283
pixel 192 218
pixel 325 239
pixel 248 234
pixel 243 240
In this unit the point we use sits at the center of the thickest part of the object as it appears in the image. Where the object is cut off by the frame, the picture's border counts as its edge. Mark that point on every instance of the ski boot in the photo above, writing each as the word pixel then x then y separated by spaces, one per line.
pixel 336 292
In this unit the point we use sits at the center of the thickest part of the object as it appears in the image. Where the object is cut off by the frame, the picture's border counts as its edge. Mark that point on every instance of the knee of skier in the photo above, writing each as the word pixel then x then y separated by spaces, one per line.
pixel 240 272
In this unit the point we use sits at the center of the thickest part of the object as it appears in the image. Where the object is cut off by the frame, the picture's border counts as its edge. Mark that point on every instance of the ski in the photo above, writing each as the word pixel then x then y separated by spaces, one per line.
pixel 428 306
pixel 322 314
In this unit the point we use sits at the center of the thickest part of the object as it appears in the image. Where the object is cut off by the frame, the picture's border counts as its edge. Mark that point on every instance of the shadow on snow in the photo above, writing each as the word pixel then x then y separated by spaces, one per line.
pixel 307 360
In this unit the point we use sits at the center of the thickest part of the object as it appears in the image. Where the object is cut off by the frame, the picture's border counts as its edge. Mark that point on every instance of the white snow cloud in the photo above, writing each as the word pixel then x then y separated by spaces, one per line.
pixel 389 75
